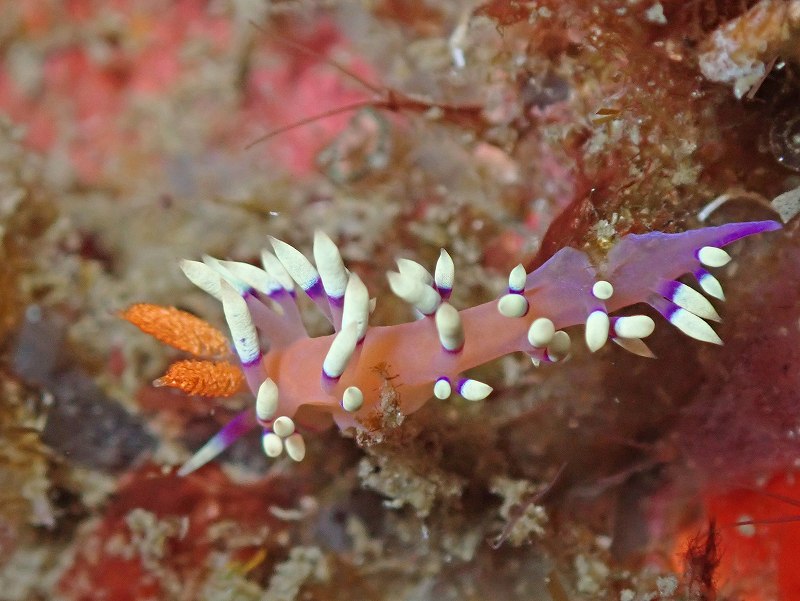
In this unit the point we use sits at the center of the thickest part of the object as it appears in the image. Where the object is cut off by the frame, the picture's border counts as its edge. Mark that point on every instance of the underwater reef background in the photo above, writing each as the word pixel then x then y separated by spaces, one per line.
pixel 501 131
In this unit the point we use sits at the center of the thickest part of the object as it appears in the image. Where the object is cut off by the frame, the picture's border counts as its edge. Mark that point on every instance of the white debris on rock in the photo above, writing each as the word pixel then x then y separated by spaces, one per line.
pixel 533 519
pixel 738 51
pixel 592 574
pixel 787 205
pixel 655 14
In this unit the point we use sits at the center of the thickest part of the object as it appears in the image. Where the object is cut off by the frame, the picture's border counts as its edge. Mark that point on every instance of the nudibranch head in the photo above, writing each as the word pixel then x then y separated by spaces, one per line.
pixel 299 383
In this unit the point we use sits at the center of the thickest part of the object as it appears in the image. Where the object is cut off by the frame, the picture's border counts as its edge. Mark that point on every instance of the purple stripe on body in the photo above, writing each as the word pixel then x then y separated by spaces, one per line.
pixel 668 288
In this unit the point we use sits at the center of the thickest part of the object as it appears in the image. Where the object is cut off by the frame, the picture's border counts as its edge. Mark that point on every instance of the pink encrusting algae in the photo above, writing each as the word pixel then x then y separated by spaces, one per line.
pixel 294 377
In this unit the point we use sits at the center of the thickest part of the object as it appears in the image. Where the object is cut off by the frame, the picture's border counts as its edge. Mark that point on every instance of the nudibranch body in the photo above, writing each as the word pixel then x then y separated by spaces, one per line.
pixel 295 378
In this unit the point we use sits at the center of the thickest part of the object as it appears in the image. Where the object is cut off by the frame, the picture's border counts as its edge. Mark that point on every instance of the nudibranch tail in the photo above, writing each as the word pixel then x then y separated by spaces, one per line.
pixel 345 373
pixel 233 430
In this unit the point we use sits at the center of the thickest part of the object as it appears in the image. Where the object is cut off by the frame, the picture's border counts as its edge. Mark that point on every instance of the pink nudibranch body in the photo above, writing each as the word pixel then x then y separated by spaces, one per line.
pixel 343 376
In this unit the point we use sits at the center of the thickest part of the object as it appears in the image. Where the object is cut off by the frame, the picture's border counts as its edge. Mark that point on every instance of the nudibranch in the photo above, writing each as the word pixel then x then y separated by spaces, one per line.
pixel 296 379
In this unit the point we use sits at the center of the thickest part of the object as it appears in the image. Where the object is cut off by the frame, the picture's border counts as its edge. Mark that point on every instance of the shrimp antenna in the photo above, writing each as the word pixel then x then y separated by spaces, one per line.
pixel 777 497
pixel 781 520
pixel 768 521
pixel 305 121
pixel 329 113
pixel 314 54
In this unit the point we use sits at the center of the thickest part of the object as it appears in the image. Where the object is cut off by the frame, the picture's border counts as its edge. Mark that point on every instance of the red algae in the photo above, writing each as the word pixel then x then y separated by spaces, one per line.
pixel 97 81
pixel 157 539
pixel 758 529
